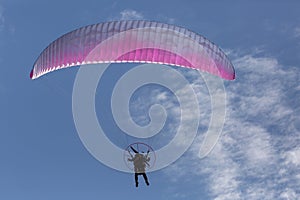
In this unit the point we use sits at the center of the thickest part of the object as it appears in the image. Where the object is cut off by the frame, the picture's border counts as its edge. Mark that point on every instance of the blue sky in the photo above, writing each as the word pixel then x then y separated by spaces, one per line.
pixel 258 156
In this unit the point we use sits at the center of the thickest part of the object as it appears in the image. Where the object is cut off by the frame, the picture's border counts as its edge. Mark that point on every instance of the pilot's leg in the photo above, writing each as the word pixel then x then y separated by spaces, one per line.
pixel 145 178
pixel 136 180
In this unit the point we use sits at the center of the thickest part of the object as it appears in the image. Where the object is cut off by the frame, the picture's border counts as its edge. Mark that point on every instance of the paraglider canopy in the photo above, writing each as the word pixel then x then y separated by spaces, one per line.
pixel 133 41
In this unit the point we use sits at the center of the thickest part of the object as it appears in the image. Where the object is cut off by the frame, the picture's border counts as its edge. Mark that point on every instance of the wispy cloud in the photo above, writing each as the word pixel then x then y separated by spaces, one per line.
pixel 2 20
pixel 258 154
pixel 4 26
pixel 297 32
pixel 129 14
pixel 293 157
pixel 163 18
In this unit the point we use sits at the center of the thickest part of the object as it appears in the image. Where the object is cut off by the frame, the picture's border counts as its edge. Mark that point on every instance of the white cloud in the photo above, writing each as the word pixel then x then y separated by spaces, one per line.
pixel 293 157
pixel 288 194
pixel 169 20
pixel 258 154
pixel 297 32
pixel 1 18
pixel 223 174
pixel 131 15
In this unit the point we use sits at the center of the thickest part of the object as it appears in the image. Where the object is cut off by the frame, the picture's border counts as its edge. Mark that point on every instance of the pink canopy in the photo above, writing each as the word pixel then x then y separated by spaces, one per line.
pixel 133 41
